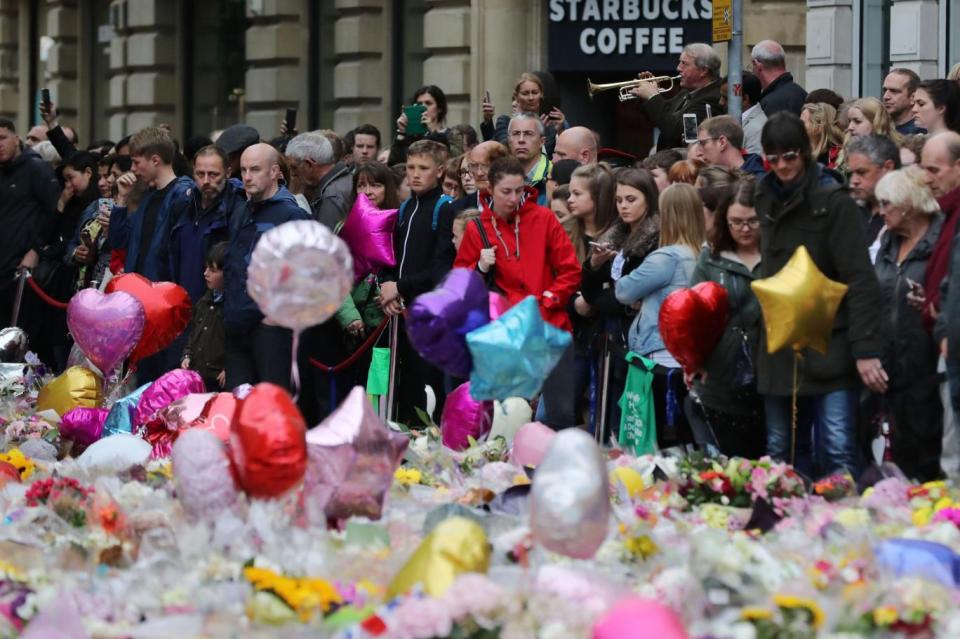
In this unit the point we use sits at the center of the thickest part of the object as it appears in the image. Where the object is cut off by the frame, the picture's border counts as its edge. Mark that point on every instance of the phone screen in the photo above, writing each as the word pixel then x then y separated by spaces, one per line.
pixel 690 128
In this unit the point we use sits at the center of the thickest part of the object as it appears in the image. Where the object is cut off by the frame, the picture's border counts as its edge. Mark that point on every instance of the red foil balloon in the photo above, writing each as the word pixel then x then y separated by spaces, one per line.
pixel 692 321
pixel 268 444
pixel 167 308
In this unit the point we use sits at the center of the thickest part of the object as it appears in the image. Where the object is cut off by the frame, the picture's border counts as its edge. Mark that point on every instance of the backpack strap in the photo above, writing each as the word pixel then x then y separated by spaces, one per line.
pixel 402 211
pixel 443 199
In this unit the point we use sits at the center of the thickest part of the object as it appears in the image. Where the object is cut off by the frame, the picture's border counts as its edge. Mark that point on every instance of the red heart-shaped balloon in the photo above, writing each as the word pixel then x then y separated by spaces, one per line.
pixel 218 416
pixel 268 443
pixel 692 321
pixel 167 308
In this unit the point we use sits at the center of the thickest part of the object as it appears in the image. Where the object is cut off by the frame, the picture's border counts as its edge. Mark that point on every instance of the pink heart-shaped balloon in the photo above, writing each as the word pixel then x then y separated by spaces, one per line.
pixel 106 327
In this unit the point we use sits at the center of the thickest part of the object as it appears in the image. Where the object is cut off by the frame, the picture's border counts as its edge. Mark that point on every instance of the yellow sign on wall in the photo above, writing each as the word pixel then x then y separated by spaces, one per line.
pixel 722 20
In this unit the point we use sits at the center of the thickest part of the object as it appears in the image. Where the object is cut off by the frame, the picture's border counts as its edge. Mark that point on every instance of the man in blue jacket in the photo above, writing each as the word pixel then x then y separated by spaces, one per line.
pixel 205 224
pixel 145 234
pixel 256 351
pixel 720 141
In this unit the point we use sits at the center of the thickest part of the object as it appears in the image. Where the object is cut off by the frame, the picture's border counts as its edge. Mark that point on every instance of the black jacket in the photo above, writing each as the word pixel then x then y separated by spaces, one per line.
pixel 208 339
pixel 667 113
pixel 826 220
pixel 28 209
pixel 783 94
pixel 424 255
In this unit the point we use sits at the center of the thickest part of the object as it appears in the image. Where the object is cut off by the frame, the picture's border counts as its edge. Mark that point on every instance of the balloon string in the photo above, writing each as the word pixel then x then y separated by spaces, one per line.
pixel 793 408
pixel 295 367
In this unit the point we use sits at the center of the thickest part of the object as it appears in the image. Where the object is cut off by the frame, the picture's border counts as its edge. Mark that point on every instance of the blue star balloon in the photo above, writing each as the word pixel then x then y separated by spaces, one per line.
pixel 515 353
pixel 121 417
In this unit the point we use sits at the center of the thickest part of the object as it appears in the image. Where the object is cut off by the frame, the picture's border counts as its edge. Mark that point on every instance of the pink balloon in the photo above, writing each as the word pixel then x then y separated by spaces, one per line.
pixel 464 417
pixel 368 232
pixel 632 614
pixel 530 444
pixel 106 327
pixel 170 387
pixel 498 305
pixel 83 425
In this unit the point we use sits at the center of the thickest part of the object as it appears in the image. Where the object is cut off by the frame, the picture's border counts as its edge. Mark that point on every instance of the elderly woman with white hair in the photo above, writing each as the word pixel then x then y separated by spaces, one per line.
pixel 912 401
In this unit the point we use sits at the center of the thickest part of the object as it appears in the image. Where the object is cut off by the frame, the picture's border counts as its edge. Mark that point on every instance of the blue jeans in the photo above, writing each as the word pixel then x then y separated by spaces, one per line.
pixel 953 382
pixel 826 427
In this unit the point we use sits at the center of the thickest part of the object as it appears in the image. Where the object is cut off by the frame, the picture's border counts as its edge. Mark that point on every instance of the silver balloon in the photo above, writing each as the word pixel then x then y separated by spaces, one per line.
pixel 570 500
pixel 299 274
pixel 13 344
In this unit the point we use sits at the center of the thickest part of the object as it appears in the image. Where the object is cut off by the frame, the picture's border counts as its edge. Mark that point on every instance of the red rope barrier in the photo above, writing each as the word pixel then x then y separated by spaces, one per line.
pixel 43 295
pixel 350 361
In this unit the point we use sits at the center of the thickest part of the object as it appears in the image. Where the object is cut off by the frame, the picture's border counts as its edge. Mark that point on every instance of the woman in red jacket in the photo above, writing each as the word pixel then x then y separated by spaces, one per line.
pixel 529 253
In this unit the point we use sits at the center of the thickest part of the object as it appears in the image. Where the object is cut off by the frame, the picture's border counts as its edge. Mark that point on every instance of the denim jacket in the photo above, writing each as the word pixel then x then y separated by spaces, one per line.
pixel 661 273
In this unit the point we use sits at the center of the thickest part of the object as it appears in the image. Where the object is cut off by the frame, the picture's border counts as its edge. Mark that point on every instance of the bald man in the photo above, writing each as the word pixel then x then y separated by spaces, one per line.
pixel 780 92
pixel 576 143
pixel 478 163
pixel 256 351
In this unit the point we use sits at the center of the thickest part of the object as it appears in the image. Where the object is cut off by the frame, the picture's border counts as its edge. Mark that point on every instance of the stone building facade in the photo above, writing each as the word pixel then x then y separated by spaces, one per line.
pixel 113 66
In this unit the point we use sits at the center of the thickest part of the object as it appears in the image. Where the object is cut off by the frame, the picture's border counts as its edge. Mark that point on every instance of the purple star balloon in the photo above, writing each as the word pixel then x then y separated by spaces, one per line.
pixel 368 232
pixel 352 456
pixel 438 321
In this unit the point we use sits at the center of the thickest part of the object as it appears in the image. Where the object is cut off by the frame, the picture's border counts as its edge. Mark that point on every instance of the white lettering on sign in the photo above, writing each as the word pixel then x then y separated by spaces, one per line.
pixel 649 40
pixel 628 10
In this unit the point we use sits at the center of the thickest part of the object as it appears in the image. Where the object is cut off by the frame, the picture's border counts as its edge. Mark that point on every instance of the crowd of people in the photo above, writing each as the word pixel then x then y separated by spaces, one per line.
pixel 869 185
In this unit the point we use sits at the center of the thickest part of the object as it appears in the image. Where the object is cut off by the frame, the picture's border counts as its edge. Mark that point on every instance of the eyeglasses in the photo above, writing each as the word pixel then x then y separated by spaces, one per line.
pixel 704 141
pixel 786 156
pixel 478 168
pixel 743 225
pixel 464 172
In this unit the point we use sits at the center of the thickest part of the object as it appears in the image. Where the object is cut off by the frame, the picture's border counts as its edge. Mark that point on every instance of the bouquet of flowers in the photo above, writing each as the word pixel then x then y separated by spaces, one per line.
pixel 66 496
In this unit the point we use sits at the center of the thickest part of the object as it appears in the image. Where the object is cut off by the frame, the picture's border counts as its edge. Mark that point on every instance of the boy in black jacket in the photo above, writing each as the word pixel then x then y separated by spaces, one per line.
pixel 208 339
pixel 423 243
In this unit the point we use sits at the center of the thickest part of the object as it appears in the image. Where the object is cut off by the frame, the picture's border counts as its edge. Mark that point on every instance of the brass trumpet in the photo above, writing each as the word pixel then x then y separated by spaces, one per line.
pixel 626 87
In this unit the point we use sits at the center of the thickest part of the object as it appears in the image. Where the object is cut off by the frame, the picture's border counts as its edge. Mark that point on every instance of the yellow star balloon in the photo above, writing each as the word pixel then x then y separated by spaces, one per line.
pixel 799 305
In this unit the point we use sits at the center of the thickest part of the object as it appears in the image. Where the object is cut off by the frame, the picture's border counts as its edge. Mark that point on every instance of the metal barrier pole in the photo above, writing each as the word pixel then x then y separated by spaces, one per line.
pixel 392 378
pixel 22 275
pixel 600 428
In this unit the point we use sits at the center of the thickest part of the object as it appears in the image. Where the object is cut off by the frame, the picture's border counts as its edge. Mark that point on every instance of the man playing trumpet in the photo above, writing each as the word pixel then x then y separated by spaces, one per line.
pixel 699 71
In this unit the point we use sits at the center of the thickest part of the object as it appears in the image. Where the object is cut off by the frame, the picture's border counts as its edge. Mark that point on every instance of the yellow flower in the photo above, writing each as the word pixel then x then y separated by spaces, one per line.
pixel 790 602
pixel 305 596
pixel 407 476
pixel 921 516
pixel 18 460
pixel 885 615
pixel 943 502
pixel 853 517
pixel 10 571
pixel 751 613
pixel 642 546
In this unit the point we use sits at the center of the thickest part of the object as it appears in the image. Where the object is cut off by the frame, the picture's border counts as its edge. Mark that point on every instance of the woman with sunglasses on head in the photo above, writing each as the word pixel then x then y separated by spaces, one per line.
pixel 800 204
pixel 727 387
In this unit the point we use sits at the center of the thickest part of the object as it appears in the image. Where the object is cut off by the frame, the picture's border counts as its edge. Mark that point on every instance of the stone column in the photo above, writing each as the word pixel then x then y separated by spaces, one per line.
pixel 830 34
pixel 276 50
pixel 361 76
pixel 63 27
pixel 9 60
pixel 143 74
pixel 784 22
pixel 507 38
pixel 913 40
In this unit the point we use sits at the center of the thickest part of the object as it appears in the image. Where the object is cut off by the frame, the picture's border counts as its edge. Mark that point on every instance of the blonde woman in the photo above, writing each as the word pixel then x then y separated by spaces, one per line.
pixel 664 271
pixel 867 116
pixel 909 352
pixel 826 139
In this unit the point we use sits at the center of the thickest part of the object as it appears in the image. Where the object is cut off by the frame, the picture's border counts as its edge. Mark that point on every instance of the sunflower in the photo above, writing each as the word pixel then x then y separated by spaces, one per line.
pixel 791 602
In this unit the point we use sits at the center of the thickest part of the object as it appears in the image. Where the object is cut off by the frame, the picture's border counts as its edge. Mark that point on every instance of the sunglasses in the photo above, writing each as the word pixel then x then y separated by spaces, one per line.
pixel 786 156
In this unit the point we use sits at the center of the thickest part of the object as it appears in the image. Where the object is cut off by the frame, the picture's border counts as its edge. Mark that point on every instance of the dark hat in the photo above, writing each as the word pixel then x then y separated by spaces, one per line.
pixel 237 138
pixel 562 170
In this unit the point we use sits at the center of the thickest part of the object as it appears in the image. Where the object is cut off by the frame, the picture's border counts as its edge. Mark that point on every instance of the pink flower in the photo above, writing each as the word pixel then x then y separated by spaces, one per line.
pixel 948 514
pixel 421 618
pixel 474 595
